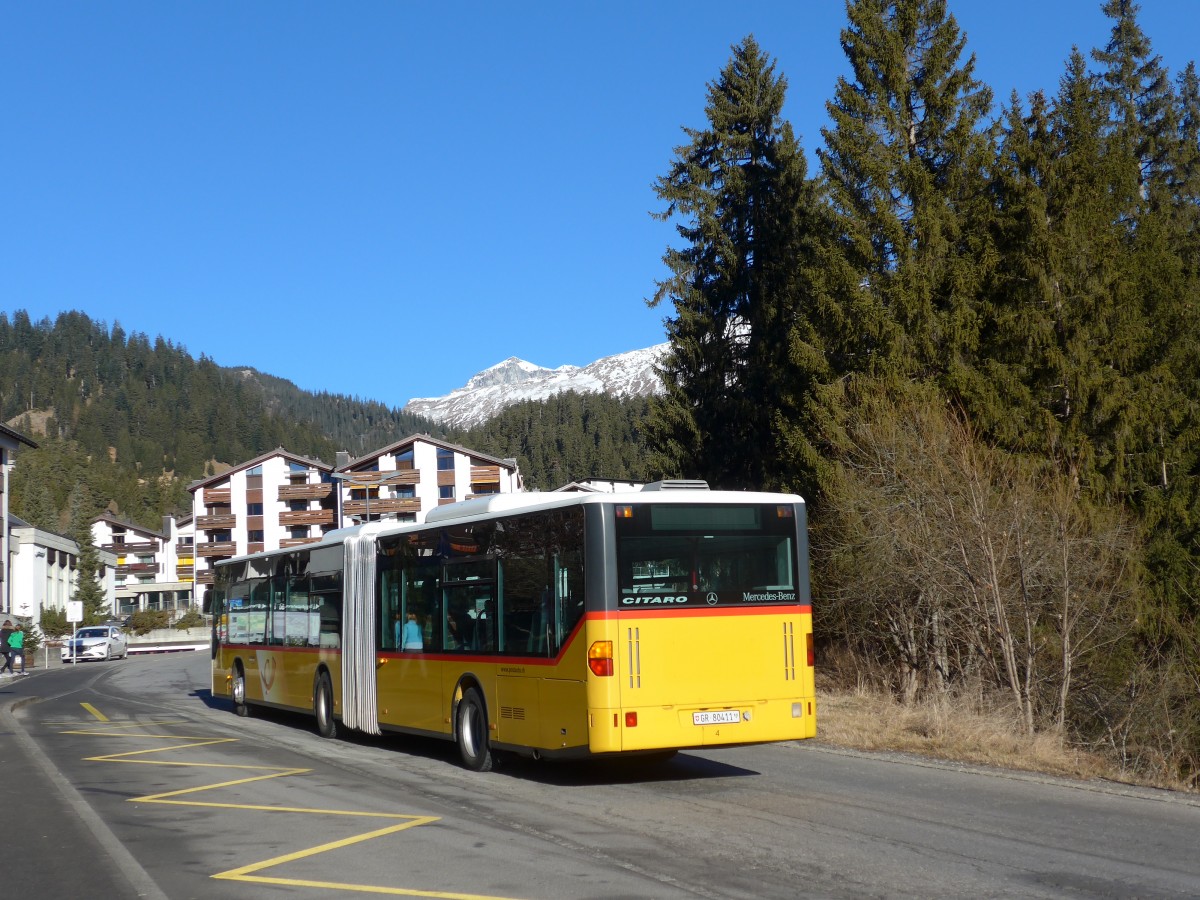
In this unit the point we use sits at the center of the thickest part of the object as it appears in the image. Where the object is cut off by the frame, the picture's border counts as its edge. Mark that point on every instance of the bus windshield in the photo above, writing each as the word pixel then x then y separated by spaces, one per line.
pixel 710 556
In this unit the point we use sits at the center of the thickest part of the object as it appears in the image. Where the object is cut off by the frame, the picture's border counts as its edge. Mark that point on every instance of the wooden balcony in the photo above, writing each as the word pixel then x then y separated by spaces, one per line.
pixel 139 569
pixel 445 477
pixel 182 549
pixel 307 517
pixel 218 496
pixel 206 577
pixel 205 523
pixel 122 549
pixel 216 548
pixel 183 572
pixel 381 507
pixel 297 542
pixel 485 474
pixel 401 476
pixel 305 491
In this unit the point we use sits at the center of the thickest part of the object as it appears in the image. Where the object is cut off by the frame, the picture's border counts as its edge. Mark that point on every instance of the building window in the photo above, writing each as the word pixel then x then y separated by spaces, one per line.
pixel 446 492
pixel 406 491
pixel 299 531
pixel 404 460
pixel 257 470
pixel 445 460
pixel 254 509
pixel 254 537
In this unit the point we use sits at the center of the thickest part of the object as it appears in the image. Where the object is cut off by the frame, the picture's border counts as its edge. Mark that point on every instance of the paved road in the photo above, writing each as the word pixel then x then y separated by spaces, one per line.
pixel 190 801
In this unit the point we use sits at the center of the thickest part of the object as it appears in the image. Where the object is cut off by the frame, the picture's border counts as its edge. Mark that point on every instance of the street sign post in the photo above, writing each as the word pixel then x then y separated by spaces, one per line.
pixel 74 616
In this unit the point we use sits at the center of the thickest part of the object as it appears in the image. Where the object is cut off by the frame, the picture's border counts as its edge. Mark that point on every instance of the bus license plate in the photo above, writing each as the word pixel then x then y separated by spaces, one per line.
pixel 717 717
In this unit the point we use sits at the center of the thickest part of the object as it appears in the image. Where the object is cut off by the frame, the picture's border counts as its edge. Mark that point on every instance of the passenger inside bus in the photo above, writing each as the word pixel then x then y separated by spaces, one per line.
pixel 412 637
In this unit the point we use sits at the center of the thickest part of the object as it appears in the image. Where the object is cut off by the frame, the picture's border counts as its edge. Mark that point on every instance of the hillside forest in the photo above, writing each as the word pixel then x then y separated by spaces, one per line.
pixel 126 423
pixel 968 337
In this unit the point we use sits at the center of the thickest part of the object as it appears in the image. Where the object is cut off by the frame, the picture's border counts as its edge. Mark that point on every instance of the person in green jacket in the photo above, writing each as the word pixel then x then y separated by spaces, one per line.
pixel 16 650
pixel 5 633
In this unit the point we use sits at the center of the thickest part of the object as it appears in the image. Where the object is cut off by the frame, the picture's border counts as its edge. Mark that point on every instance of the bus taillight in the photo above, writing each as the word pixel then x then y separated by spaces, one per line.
pixel 809 644
pixel 600 658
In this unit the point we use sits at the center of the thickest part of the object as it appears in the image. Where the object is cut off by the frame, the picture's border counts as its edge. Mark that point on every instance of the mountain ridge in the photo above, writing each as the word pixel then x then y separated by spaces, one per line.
pixel 514 380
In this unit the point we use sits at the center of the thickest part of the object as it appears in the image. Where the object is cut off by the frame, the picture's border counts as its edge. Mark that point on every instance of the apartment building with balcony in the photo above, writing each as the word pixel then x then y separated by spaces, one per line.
pixel 278 499
pixel 45 571
pixel 403 481
pixel 10 442
pixel 150 573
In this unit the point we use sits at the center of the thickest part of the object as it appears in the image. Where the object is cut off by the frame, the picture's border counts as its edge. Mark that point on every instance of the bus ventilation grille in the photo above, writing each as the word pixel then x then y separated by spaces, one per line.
pixel 634 638
pixel 513 712
pixel 789 652
pixel 677 484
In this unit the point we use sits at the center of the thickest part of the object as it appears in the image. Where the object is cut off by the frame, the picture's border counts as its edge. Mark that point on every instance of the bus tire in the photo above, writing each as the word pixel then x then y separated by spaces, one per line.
pixel 323 707
pixel 472 732
pixel 237 688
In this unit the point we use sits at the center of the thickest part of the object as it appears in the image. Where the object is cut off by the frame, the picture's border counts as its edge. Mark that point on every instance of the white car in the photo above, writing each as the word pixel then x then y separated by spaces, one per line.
pixel 96 642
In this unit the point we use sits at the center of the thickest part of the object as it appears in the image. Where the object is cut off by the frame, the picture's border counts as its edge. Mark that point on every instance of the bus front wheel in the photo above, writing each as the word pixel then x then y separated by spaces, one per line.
pixel 472 732
pixel 323 707
pixel 237 687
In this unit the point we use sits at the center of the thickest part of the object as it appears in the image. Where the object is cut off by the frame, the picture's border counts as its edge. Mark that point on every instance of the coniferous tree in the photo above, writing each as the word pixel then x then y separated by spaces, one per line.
pixel 88 589
pixel 740 187
pixel 904 160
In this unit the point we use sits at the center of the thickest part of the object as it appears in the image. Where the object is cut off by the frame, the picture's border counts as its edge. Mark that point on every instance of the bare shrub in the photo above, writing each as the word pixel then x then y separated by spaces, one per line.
pixel 948 566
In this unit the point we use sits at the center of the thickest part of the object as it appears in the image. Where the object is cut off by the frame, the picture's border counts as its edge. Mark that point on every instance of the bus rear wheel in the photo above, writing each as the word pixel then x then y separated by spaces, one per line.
pixel 323 706
pixel 472 732
pixel 237 687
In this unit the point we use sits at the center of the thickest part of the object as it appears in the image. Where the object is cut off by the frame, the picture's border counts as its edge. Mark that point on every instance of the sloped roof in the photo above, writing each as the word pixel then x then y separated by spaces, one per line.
pixel 424 438
pixel 16 436
pixel 131 526
pixel 251 463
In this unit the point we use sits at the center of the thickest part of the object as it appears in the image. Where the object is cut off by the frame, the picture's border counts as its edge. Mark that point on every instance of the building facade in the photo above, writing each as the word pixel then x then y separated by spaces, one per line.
pixel 9 442
pixel 154 569
pixel 45 571
pixel 403 481
pixel 279 499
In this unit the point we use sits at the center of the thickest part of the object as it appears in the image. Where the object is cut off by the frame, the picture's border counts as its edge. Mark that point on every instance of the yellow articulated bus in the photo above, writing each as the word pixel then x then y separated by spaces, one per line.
pixel 550 625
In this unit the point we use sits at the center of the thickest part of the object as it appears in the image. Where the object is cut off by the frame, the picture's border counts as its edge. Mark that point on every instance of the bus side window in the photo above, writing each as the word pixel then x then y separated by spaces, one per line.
pixel 524 581
pixel 390 618
pixel 568 589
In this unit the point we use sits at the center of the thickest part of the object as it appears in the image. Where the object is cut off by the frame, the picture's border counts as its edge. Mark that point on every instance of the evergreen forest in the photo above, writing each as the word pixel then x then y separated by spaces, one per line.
pixel 969 337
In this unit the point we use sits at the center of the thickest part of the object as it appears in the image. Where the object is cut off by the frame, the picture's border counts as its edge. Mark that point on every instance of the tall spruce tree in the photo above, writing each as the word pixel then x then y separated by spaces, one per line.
pixel 88 589
pixel 904 159
pixel 740 187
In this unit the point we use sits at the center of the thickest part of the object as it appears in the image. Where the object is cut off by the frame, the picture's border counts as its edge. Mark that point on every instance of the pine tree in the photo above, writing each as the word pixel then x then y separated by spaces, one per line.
pixel 740 188
pixel 904 160
pixel 87 587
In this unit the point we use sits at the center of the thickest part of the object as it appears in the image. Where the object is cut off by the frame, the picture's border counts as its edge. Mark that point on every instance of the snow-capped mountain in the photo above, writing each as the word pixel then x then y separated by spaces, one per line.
pixel 514 380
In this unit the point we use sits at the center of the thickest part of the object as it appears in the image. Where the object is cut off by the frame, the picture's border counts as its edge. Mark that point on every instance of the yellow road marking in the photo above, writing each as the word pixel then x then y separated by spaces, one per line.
pixel 95 712
pixel 249 872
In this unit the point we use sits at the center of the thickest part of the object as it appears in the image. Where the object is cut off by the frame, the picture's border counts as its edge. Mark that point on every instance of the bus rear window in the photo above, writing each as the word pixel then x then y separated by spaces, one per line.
pixel 706 556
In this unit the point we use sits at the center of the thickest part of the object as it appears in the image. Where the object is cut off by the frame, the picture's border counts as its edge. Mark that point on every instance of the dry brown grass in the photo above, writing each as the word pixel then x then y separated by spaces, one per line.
pixel 949 730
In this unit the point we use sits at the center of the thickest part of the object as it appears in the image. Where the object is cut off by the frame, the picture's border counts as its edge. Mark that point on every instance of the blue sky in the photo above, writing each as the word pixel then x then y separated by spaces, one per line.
pixel 381 199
